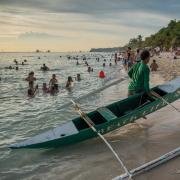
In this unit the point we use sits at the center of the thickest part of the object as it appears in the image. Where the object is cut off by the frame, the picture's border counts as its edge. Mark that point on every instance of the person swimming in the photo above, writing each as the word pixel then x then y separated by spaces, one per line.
pixel 44 67
pixel 10 67
pixel 70 82
pixel 45 89
pixel 78 78
pixel 16 62
pixel 89 69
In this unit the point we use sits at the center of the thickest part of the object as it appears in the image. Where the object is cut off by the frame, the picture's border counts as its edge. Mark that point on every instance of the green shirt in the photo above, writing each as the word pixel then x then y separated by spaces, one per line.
pixel 139 74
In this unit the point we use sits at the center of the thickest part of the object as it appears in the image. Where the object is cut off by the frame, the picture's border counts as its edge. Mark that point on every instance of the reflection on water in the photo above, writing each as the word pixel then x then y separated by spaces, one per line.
pixel 22 117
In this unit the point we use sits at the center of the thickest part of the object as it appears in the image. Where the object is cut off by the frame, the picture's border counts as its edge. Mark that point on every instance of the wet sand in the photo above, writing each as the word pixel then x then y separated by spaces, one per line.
pixel 157 135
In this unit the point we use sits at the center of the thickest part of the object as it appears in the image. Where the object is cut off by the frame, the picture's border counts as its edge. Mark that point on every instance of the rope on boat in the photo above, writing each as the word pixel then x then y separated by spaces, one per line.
pixel 93 92
pixel 150 165
pixel 91 125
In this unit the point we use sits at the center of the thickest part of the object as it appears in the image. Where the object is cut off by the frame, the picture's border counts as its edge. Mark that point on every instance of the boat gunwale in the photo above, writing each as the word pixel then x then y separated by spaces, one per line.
pixel 99 127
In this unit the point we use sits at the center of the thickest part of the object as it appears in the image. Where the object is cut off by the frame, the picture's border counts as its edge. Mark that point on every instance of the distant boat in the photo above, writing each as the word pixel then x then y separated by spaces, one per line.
pixel 106 119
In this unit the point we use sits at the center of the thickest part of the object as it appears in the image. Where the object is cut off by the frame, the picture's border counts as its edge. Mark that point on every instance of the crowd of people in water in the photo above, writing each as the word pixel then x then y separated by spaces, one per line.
pixel 128 59
pixel 52 87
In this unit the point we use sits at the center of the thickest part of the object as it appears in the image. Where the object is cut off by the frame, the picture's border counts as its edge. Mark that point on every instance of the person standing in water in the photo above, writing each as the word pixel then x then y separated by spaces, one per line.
pixel 154 66
pixel 139 75
pixel 44 68
pixel 32 92
pixel 129 60
pixel 31 79
pixel 70 82
pixel 53 82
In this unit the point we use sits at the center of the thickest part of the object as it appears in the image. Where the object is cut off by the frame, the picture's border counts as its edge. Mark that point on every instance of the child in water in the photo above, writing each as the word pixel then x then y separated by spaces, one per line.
pixel 70 82
pixel 78 78
pixel 45 88
pixel 53 84
pixel 53 81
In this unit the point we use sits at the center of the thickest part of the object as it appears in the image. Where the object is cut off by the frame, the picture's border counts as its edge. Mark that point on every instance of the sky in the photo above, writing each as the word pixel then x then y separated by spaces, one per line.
pixel 79 25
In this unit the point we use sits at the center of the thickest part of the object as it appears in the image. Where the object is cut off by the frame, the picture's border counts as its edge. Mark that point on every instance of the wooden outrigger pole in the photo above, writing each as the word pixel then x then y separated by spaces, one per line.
pixel 91 125
pixel 150 165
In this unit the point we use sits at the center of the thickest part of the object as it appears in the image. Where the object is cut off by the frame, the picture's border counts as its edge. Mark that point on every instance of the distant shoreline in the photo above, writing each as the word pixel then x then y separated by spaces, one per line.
pixel 46 52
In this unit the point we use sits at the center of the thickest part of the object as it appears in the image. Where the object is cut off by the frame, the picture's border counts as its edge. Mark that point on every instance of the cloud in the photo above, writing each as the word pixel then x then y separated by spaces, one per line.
pixel 98 21
pixel 37 35
pixel 97 7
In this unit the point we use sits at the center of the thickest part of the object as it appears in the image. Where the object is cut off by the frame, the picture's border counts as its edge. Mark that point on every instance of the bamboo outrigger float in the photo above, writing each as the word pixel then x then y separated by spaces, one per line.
pixel 106 119
pixel 150 165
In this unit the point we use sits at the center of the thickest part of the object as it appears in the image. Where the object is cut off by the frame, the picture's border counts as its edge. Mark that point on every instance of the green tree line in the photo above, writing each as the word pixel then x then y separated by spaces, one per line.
pixel 165 38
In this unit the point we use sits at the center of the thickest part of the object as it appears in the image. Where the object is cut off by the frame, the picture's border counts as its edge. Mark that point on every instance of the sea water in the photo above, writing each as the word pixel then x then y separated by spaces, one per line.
pixel 22 117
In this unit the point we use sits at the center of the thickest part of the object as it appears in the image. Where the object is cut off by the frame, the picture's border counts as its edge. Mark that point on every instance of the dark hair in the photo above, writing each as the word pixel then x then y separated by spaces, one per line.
pixel 70 78
pixel 31 73
pixel 154 60
pixel 129 48
pixel 145 54
pixel 137 50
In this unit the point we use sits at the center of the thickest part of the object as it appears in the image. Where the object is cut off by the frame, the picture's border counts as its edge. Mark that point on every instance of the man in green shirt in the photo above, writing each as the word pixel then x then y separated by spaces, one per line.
pixel 139 75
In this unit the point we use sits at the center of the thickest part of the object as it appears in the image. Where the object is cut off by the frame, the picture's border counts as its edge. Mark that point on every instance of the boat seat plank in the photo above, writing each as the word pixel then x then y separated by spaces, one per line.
pixel 170 86
pixel 106 113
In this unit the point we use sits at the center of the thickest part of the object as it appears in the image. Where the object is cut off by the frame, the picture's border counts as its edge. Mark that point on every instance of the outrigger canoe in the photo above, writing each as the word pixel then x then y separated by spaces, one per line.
pixel 106 118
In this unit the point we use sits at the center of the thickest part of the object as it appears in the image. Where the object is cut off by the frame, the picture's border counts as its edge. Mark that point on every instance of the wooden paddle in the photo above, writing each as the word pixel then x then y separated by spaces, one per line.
pixel 91 125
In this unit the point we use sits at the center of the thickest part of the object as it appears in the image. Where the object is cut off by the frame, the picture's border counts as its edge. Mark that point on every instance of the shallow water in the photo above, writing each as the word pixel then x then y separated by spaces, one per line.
pixel 22 117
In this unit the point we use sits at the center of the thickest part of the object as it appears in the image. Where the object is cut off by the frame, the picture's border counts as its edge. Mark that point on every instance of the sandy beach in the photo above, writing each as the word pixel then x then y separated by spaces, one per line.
pixel 169 68
pixel 157 135
pixel 162 128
